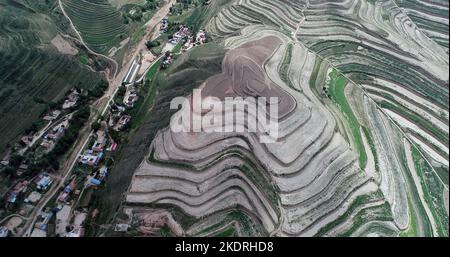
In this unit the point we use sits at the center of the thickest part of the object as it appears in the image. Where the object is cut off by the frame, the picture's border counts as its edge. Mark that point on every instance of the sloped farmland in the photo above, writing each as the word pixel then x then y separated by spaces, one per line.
pixel 99 23
pixel 363 135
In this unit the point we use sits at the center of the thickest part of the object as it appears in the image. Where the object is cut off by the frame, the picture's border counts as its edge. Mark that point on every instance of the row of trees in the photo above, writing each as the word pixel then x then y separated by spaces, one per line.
pixel 151 44
pixel 50 160
pixel 79 119
pixel 139 10
pixel 99 89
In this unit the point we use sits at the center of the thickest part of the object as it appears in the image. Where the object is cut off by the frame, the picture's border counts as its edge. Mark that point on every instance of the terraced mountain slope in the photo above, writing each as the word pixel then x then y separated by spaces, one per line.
pixel 431 16
pixel 363 147
pixel 99 23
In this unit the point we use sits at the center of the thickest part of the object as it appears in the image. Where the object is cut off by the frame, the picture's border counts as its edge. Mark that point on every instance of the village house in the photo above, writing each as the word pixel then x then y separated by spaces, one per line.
pixel 17 190
pixel 52 115
pixel 91 158
pixel 33 197
pixel 189 44
pixel 130 97
pixel 164 25
pixel 102 173
pixel 184 32
pixel 48 145
pixel 25 140
pixel 57 131
pixel 45 218
pixel 167 60
pixel 23 167
pixel 122 122
pixel 67 191
pixel 100 142
pixel 71 99
pixel 112 147
pixel 77 229
pixel 201 38
pixel 43 181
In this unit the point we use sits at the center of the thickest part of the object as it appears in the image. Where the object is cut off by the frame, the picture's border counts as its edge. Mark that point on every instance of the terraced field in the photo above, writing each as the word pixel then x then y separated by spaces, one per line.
pixel 431 16
pixel 99 23
pixel 363 150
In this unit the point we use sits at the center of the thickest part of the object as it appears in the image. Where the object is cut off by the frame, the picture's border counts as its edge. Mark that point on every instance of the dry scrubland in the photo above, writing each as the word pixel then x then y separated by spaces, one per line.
pixel 364 147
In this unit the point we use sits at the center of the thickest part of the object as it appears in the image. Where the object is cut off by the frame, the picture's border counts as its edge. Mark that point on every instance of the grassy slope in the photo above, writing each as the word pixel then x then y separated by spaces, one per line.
pixel 32 72
pixel 433 189
pixel 99 23
pixel 337 86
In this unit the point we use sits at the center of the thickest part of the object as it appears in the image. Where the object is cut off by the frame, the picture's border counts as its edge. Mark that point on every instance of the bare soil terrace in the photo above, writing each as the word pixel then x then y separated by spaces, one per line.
pixel 243 75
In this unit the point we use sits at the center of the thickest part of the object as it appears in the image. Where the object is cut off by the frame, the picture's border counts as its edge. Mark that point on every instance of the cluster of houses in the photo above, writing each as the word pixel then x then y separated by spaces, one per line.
pixel 31 190
pixel 95 154
pixel 97 178
pixel 67 192
pixel 118 120
pixel 41 182
pixel 53 135
pixel 190 43
pixel 49 138
pixel 63 227
pixel 183 33
pixel 68 223
pixel 18 189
